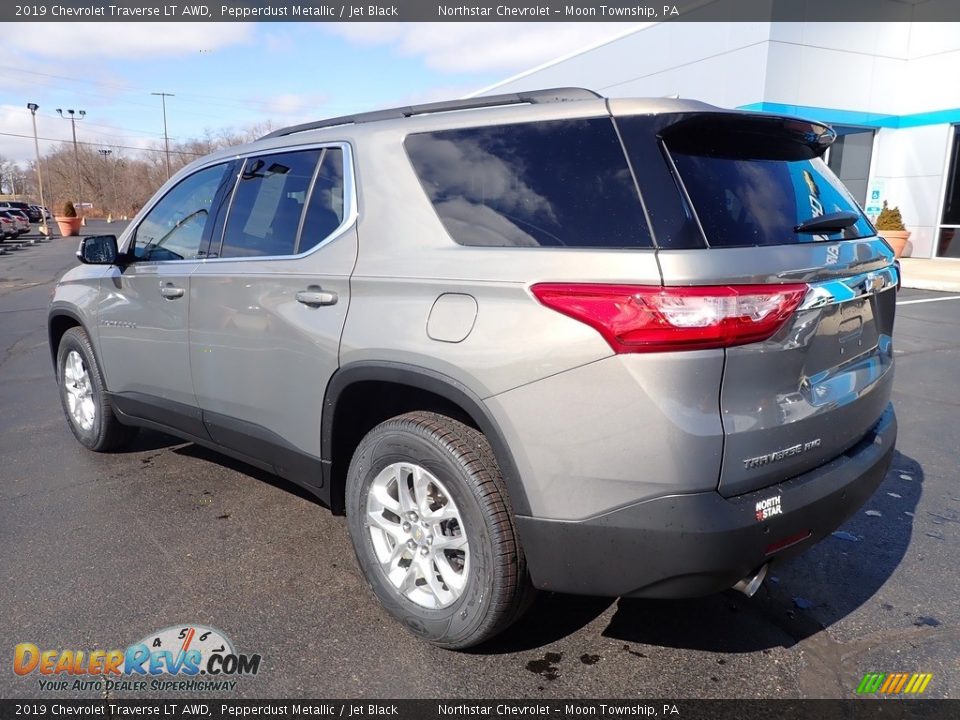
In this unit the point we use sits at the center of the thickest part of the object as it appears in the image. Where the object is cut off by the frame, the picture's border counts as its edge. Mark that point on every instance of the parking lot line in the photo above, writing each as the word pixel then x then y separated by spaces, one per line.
pixel 928 300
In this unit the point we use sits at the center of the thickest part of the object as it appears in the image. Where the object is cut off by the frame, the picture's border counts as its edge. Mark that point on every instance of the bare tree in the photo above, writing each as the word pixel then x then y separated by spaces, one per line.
pixel 120 181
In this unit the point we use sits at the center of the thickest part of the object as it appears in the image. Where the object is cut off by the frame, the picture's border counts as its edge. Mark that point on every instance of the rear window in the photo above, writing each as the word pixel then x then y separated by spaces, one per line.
pixel 753 182
pixel 547 184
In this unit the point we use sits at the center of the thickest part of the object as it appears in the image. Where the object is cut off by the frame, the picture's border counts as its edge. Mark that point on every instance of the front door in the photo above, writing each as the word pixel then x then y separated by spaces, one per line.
pixel 144 306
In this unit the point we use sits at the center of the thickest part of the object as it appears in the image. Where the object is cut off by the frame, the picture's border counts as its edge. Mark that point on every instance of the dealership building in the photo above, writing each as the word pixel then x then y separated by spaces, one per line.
pixel 890 90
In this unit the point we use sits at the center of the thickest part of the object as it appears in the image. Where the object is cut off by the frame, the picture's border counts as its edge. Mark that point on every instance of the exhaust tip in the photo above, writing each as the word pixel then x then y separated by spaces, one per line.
pixel 750 584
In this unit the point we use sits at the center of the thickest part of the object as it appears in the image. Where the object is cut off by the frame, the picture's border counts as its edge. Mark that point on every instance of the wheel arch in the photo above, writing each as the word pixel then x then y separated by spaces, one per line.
pixel 341 430
pixel 58 322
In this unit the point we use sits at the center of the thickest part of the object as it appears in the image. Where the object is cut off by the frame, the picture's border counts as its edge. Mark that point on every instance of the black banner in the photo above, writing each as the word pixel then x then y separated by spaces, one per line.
pixel 469 10
pixel 858 709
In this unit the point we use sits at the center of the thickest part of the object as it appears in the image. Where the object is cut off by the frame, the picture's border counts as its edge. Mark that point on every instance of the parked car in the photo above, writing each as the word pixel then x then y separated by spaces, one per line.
pixel 41 212
pixel 30 211
pixel 611 347
pixel 8 227
pixel 22 214
pixel 19 219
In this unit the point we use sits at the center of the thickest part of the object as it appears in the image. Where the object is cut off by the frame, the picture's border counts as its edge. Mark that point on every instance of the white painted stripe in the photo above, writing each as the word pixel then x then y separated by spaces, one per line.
pixel 926 300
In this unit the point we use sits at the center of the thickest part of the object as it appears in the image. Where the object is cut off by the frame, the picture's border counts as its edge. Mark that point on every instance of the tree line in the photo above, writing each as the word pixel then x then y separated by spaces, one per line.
pixel 113 180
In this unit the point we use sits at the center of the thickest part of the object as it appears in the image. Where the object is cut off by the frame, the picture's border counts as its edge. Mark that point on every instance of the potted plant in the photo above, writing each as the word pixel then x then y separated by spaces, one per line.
pixel 891 228
pixel 68 222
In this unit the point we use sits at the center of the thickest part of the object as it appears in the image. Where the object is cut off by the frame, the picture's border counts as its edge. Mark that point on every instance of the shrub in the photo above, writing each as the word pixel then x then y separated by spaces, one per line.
pixel 889 219
pixel 69 210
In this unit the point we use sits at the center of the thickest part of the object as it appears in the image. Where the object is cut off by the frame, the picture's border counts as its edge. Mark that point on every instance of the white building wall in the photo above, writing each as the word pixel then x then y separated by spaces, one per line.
pixel 910 163
pixel 722 64
pixel 888 69
pixel 837 65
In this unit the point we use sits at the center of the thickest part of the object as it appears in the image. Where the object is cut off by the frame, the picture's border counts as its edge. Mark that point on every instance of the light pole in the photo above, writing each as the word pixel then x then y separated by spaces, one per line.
pixel 105 153
pixel 73 116
pixel 33 107
pixel 166 139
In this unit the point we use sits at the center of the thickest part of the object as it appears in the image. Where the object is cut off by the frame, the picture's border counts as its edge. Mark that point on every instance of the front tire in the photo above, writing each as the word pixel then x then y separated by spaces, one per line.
pixel 83 397
pixel 433 530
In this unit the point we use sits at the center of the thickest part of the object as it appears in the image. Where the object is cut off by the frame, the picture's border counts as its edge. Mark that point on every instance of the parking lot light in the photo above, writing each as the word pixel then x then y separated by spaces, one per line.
pixel 44 230
pixel 73 116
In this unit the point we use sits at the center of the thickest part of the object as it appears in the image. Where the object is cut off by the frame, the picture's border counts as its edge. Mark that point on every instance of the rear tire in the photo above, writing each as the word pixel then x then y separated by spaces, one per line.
pixel 83 396
pixel 433 530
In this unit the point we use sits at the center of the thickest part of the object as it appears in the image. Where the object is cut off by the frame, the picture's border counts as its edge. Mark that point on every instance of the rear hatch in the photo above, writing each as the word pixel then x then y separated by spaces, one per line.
pixel 768 211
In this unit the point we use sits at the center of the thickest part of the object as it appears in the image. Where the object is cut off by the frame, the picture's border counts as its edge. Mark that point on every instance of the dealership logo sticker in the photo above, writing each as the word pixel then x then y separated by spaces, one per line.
pixel 894 683
pixel 182 658
pixel 768 508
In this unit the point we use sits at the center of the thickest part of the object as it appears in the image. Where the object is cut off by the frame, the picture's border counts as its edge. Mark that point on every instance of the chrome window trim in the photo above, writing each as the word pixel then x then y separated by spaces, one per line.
pixel 350 209
pixel 834 292
pixel 350 213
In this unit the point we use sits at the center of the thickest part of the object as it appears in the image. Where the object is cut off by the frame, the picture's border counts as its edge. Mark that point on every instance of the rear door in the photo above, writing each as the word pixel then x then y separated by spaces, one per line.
pixel 268 306
pixel 753 188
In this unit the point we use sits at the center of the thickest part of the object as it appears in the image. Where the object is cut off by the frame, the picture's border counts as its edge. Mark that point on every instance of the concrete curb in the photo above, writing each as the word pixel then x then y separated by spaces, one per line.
pixel 937 275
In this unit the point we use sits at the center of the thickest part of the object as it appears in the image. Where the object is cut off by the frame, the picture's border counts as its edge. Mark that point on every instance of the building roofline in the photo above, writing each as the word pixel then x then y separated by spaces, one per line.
pixel 562 58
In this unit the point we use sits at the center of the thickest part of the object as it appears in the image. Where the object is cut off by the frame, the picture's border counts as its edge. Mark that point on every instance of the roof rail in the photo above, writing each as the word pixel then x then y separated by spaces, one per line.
pixel 532 97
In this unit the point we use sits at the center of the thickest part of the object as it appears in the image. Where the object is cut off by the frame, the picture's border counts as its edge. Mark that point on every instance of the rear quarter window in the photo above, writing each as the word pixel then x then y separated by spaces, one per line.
pixel 547 184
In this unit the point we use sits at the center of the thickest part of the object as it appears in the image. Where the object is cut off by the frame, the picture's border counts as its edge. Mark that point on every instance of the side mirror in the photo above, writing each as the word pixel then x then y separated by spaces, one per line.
pixel 98 250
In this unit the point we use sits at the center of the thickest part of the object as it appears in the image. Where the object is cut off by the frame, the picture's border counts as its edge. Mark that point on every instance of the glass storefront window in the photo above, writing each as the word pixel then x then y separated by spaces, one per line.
pixel 849 158
pixel 948 244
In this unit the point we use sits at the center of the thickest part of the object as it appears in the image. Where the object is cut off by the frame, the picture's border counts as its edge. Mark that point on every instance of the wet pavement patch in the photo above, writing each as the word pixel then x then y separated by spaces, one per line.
pixel 587 659
pixel 844 535
pixel 546 667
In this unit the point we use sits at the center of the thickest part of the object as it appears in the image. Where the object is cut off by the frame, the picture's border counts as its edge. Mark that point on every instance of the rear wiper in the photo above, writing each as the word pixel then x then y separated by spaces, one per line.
pixel 833 222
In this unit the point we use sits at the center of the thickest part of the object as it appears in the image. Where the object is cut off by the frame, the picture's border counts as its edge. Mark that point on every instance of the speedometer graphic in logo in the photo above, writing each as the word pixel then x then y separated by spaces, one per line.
pixel 179 640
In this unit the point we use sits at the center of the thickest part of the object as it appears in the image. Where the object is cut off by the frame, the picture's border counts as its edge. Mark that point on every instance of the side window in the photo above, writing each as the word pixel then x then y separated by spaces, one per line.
pixel 325 209
pixel 562 183
pixel 268 203
pixel 173 229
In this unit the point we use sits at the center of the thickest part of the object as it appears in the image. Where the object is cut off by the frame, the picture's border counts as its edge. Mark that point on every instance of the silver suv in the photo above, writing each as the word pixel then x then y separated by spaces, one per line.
pixel 548 340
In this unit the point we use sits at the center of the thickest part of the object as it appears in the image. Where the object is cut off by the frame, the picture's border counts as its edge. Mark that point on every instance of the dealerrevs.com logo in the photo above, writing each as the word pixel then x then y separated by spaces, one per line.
pixel 185 657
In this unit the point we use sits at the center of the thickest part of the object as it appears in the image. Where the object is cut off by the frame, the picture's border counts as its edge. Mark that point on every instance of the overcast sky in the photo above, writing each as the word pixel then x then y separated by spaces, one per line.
pixel 234 74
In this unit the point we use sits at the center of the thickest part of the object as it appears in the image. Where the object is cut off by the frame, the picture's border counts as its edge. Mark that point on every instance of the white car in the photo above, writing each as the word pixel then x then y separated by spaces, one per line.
pixel 20 221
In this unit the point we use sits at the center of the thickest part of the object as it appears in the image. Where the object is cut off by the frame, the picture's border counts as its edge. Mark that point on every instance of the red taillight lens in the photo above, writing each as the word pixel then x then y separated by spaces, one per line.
pixel 638 318
pixel 787 542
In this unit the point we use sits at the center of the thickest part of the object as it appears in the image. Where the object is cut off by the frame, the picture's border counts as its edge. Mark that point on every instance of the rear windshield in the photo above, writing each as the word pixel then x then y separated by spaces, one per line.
pixel 561 183
pixel 754 188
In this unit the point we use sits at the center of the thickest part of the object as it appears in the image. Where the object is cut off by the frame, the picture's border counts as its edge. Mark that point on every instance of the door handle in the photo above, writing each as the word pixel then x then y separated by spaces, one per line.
pixel 315 296
pixel 171 292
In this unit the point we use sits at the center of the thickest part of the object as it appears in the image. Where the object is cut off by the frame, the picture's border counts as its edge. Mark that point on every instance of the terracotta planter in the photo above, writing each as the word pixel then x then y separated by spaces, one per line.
pixel 69 225
pixel 897 239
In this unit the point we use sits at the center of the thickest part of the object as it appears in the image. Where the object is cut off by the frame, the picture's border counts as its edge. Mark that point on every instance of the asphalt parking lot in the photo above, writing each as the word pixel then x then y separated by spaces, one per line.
pixel 100 550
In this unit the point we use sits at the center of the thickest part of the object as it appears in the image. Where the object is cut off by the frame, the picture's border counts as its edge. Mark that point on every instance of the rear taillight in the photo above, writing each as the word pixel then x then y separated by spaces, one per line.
pixel 637 318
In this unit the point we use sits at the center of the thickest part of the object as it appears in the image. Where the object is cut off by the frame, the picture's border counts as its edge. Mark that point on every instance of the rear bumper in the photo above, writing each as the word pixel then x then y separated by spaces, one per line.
pixel 700 543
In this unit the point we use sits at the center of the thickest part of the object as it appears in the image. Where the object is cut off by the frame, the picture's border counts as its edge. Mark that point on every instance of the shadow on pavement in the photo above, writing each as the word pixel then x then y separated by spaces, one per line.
pixel 803 595
pixel 552 617
pixel 202 453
